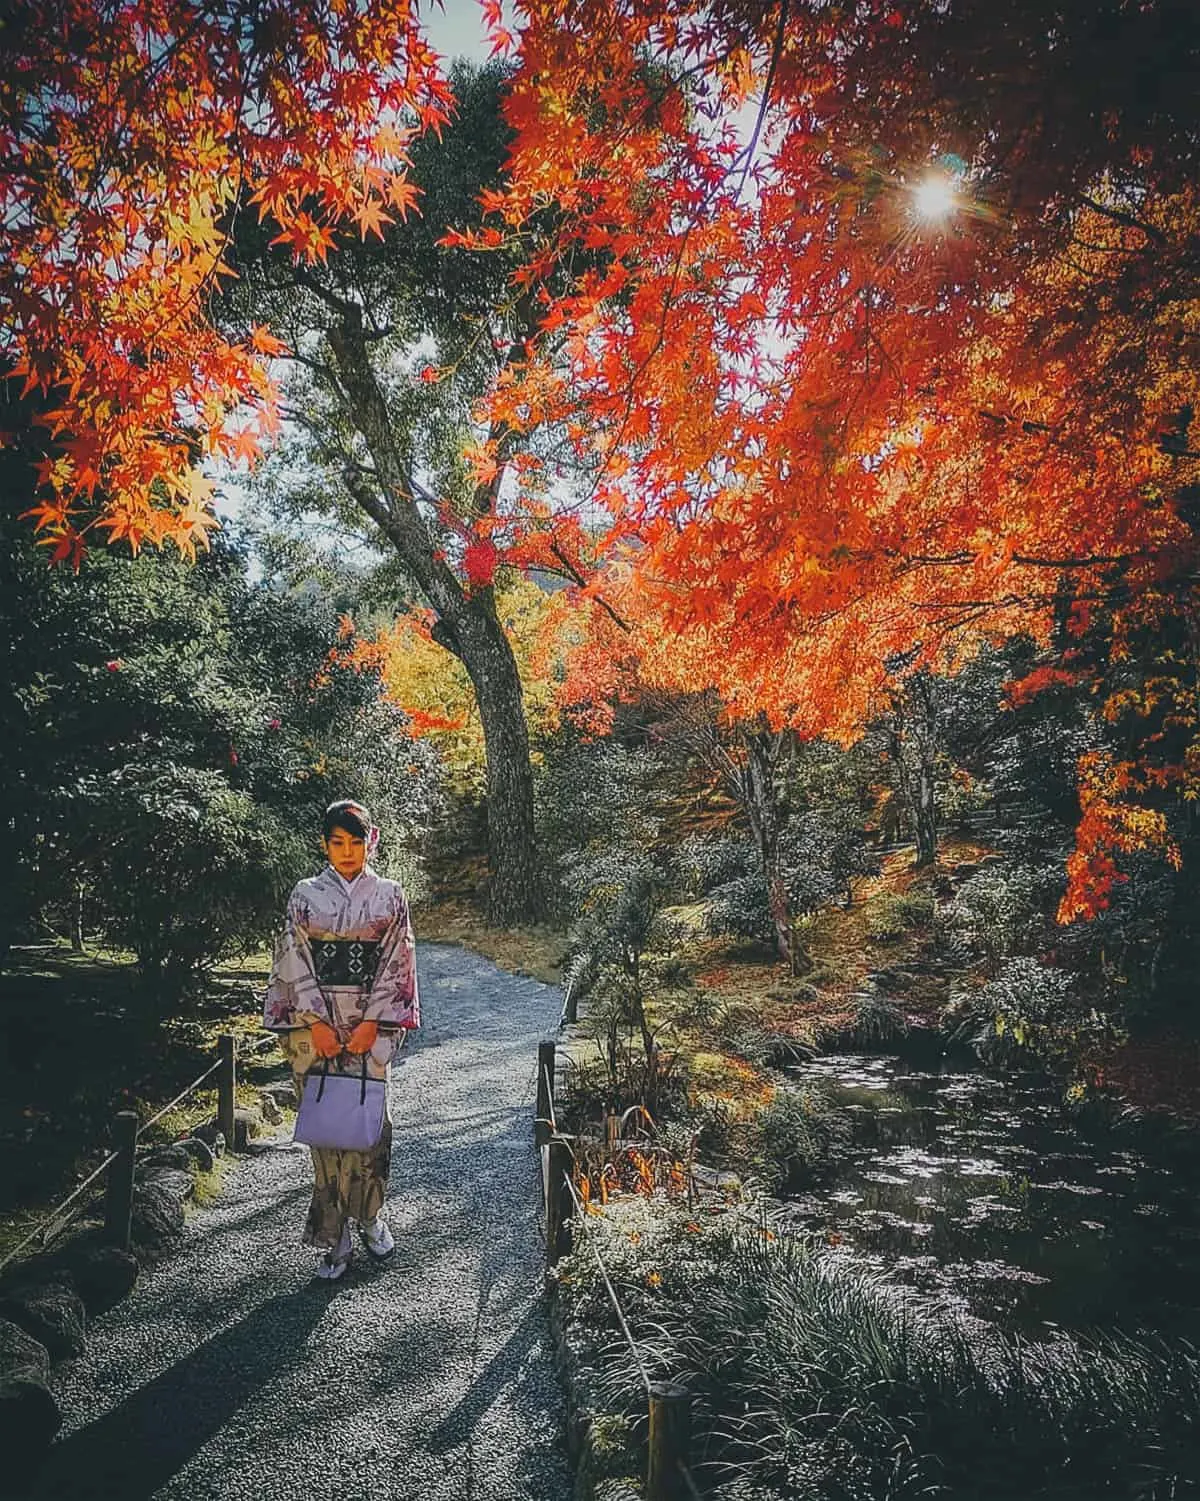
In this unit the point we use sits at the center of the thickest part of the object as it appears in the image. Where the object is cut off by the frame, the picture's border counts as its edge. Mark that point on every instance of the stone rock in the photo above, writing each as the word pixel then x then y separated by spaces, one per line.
pixel 200 1153
pixel 29 1415
pixel 282 1094
pixel 899 977
pixel 715 1179
pixel 48 1308
pixel 211 1134
pixel 51 1312
pixel 176 1155
pixel 245 1125
pixel 179 1184
pixel 21 1355
pixel 102 1274
pixel 270 1108
pixel 157 1221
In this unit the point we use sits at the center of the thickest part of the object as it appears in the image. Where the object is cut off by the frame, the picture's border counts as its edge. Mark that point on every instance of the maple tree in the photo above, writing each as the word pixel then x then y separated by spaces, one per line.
pixel 911 368
pixel 132 130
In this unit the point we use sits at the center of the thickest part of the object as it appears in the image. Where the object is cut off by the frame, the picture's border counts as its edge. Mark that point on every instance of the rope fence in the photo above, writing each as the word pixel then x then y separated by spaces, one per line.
pixel 182 1095
pixel 668 1477
pixel 47 1228
pixel 612 1296
pixel 120 1165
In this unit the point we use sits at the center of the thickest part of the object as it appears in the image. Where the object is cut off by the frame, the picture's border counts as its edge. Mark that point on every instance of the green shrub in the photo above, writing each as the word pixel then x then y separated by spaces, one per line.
pixel 697 1006
pixel 823 851
pixel 997 911
pixel 892 915
pixel 706 861
pixel 877 1022
pixel 739 908
pixel 674 973
pixel 596 806
pixel 1028 1010
pixel 212 869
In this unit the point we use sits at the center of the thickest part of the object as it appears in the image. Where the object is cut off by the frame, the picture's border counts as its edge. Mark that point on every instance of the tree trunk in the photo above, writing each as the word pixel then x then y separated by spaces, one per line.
pixel 925 814
pixel 516 891
pixel 913 745
pixel 77 919
pixel 633 967
pixel 787 940
pixel 764 820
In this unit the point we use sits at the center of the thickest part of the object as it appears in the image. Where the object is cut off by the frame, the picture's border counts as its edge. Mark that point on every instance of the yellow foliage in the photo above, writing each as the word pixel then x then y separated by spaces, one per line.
pixel 432 686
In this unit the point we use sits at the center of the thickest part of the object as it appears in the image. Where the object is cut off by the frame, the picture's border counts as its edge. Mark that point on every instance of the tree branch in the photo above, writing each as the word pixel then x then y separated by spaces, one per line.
pixel 301 277
pixel 1130 221
pixel 776 51
pixel 578 577
pixel 401 521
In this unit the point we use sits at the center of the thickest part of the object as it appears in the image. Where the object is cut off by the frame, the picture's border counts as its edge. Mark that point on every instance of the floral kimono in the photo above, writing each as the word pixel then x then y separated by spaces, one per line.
pixel 346 956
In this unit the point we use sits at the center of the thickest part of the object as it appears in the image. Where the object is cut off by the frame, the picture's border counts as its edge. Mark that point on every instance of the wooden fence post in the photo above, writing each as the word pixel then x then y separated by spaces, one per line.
pixel 558 1199
pixel 545 1094
pixel 571 1005
pixel 227 1088
pixel 118 1208
pixel 670 1436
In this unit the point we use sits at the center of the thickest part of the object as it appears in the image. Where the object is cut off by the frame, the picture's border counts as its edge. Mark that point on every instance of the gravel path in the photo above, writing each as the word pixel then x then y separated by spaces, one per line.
pixel 231 1372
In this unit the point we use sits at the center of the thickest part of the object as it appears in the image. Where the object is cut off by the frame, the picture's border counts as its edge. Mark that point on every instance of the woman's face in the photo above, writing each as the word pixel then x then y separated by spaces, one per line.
pixel 346 852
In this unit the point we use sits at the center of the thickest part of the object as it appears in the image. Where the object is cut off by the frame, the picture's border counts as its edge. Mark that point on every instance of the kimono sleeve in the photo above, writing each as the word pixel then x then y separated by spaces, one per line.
pixel 394 1001
pixel 293 987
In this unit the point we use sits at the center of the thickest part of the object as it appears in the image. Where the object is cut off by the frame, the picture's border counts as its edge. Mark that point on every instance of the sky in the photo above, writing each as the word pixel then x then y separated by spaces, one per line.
pixel 456 28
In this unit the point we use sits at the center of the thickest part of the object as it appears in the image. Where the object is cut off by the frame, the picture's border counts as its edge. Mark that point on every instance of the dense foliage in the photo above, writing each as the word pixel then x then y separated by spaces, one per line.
pixel 132 132
pixel 172 734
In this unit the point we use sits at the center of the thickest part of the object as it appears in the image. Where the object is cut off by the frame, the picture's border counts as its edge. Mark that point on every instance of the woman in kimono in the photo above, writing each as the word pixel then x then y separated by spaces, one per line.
pixel 344 985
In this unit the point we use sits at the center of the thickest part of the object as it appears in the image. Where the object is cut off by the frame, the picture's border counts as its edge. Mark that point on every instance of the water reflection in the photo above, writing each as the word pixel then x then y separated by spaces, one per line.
pixel 981 1192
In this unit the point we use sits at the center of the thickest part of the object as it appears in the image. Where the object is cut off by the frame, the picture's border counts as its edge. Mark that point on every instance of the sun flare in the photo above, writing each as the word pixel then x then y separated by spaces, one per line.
pixel 934 198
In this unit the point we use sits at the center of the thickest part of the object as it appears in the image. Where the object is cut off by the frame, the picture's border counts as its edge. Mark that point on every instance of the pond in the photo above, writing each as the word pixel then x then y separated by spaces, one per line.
pixel 984 1193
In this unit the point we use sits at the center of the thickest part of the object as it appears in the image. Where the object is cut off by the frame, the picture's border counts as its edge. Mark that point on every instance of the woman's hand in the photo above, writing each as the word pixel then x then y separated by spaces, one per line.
pixel 362 1039
pixel 325 1040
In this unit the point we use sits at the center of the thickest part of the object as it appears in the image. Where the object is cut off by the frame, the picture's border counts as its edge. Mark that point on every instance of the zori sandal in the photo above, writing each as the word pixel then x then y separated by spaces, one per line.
pixel 332 1270
pixel 336 1260
pixel 378 1238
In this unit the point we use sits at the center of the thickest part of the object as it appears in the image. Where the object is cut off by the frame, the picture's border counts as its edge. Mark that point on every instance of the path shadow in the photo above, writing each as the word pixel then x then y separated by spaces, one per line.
pixel 138 1445
pixel 509 1395
pixel 456 1427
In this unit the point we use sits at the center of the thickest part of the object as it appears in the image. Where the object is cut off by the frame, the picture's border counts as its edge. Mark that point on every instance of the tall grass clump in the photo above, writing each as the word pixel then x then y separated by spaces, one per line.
pixel 818 1381
pixel 876 1021
pixel 891 915
pixel 801 1135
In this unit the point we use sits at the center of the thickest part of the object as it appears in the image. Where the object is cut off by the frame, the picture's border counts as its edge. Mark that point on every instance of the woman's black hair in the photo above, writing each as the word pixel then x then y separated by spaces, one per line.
pixel 348 815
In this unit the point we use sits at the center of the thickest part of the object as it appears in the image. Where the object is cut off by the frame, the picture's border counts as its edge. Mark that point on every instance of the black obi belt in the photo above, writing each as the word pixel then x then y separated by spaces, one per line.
pixel 345 961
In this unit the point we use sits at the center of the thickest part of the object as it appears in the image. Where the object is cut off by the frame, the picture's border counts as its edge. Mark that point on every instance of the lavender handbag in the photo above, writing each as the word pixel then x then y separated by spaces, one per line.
pixel 341 1111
